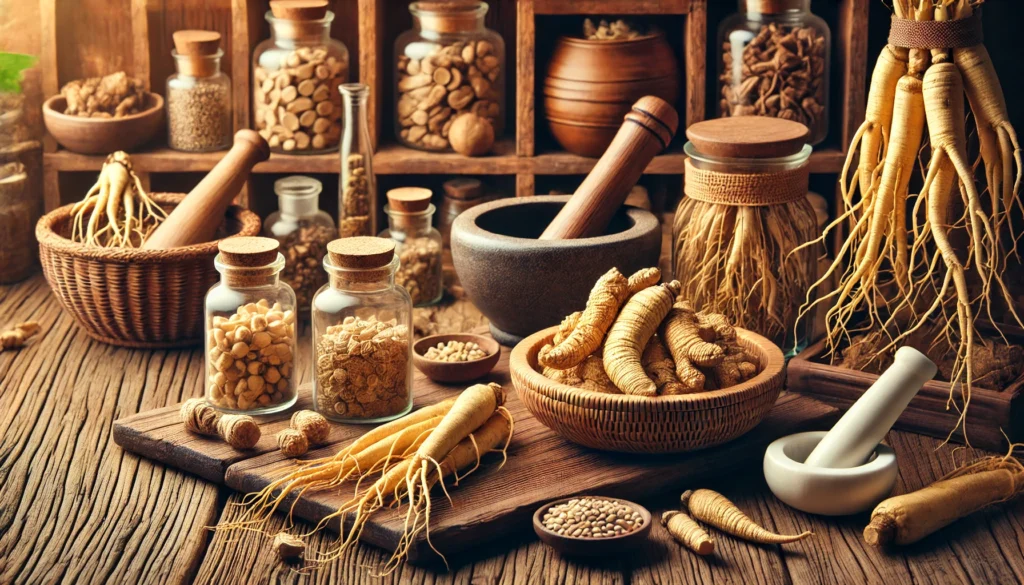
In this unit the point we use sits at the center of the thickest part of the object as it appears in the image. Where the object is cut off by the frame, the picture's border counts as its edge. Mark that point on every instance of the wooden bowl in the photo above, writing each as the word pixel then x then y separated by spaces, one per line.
pixel 103 135
pixel 455 371
pixel 636 424
pixel 579 546
pixel 591 85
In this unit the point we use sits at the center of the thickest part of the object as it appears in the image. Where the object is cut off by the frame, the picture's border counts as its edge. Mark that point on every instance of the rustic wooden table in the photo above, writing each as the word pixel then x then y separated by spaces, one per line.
pixel 74 507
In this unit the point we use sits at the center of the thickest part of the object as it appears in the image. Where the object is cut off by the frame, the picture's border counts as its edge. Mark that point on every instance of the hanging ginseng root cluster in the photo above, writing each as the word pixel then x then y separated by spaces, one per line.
pixel 899 274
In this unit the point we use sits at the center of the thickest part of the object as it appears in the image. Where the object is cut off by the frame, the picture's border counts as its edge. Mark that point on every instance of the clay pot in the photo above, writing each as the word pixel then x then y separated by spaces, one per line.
pixel 522 284
pixel 591 85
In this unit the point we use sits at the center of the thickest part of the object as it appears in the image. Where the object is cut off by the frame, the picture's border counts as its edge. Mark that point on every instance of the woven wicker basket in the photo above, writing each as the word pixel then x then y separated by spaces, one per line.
pixel 134 298
pixel 635 424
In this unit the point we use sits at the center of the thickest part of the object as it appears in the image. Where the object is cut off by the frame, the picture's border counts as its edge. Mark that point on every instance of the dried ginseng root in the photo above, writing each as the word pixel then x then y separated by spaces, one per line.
pixel 116 212
pixel 687 532
pixel 238 430
pixel 17 337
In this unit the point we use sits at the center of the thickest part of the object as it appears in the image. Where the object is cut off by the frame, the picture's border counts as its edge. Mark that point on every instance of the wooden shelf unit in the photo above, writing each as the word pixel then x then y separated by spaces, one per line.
pixel 368 28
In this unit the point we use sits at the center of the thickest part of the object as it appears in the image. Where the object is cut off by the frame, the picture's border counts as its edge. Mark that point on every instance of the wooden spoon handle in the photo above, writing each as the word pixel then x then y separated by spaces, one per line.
pixel 196 219
pixel 647 130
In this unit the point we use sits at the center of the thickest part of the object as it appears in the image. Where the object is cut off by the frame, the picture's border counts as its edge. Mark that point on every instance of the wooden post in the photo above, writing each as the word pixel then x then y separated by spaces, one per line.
pixel 526 64
pixel 526 184
pixel 140 42
pixel 696 59
pixel 372 62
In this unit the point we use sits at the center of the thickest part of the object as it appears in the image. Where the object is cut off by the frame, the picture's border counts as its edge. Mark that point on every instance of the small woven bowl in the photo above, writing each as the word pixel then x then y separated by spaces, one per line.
pixel 636 424
pixel 134 298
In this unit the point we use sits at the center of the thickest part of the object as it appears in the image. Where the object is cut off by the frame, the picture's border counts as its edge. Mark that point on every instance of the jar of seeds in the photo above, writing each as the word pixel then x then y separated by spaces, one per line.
pixel 250 330
pixel 198 95
pixel 417 244
pixel 357 186
pixel 303 231
pixel 362 334
pixel 296 73
pixel 448 64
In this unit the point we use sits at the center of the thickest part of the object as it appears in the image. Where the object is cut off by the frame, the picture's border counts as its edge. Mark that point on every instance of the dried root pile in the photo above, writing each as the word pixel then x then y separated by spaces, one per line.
pixel 116 212
pixel 639 337
pixel 901 267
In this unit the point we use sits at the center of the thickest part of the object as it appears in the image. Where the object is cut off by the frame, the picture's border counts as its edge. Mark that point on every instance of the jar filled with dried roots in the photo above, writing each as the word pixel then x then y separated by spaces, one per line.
pixel 775 62
pixel 362 334
pixel 304 232
pixel 250 330
pixel 417 243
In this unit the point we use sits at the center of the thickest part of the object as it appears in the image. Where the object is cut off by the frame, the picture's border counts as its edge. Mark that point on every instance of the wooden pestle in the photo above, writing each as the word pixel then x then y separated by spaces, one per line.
pixel 647 130
pixel 196 219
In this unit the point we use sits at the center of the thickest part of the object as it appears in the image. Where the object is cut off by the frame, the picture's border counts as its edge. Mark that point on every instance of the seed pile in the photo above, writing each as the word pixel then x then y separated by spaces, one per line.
pixel 455 351
pixel 782 75
pixel 303 251
pixel 250 357
pixel 420 270
pixel 199 116
pixel 355 198
pixel 592 518
pixel 362 368
pixel 298 106
pixel 449 80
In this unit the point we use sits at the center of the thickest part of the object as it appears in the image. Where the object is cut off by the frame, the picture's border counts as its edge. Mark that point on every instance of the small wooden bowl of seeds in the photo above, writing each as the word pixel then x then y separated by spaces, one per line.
pixel 592 525
pixel 455 357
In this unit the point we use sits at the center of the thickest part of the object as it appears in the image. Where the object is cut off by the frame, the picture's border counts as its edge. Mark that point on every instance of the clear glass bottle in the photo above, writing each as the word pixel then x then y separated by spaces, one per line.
pixel 296 73
pixel 357 186
pixel 198 94
pixel 447 64
pixel 417 243
pixel 362 334
pixel 303 231
pixel 250 330
pixel 775 62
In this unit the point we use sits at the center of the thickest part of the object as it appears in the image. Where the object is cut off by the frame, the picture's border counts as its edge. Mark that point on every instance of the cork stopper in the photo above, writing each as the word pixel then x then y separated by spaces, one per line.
pixel 463 188
pixel 361 252
pixel 248 252
pixel 449 16
pixel 299 9
pixel 774 6
pixel 197 52
pixel 748 137
pixel 409 199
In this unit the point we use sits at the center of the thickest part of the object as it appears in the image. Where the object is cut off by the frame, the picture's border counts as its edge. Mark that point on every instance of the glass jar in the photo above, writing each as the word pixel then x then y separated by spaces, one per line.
pixel 748 197
pixel 296 73
pixel 417 244
pixel 775 62
pixel 20 196
pixel 357 197
pixel 362 334
pixel 459 195
pixel 198 94
pixel 250 330
pixel 448 64
pixel 303 231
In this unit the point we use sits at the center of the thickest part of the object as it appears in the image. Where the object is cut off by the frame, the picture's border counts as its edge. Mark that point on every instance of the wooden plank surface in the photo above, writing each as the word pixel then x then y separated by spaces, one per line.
pixel 76 508
pixel 482 509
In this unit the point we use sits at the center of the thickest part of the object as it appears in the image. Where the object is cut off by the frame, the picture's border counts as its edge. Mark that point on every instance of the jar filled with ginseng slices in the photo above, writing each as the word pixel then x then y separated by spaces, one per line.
pixel 250 330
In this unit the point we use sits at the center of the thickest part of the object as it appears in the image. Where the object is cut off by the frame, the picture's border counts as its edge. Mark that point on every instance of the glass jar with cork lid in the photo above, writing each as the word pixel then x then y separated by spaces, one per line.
pixel 362 334
pixel 250 329
pixel 417 244
pixel 303 231
pixel 296 73
pixel 775 62
pixel 198 94
pixel 447 65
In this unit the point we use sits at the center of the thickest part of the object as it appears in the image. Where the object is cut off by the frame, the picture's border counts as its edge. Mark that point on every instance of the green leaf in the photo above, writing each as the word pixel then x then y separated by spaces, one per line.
pixel 11 67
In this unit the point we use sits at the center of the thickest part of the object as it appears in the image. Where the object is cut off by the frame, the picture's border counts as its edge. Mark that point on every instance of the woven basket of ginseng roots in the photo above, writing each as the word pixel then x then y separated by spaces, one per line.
pixel 640 371
pixel 120 294
pixel 928 262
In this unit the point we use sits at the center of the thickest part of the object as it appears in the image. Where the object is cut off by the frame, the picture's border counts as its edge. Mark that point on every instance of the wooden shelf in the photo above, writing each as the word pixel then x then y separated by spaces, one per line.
pixel 605 7
pixel 395 159
pixel 165 160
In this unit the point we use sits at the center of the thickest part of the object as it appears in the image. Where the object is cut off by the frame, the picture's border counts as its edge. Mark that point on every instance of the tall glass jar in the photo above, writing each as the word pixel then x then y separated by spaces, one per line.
pixel 775 62
pixel 362 334
pixel 250 330
pixel 417 243
pixel 357 197
pixel 198 94
pixel 296 73
pixel 303 231
pixel 449 63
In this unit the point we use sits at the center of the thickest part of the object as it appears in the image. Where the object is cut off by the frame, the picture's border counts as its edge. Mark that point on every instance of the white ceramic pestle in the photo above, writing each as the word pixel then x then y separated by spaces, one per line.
pixel 854 438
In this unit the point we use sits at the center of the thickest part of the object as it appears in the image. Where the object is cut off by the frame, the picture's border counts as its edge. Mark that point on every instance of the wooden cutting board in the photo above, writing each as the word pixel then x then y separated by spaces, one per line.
pixel 490 503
